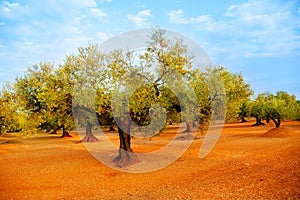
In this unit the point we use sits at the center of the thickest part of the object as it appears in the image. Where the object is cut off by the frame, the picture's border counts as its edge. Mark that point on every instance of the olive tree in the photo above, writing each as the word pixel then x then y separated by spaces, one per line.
pixel 90 90
pixel 280 106
pixel 30 90
pixel 140 98
pixel 11 119
pixel 238 92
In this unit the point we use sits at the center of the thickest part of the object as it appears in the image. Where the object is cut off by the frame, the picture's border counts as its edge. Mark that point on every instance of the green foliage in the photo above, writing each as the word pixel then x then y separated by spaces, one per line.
pixel 92 85
pixel 11 119
pixel 297 111
pixel 87 80
pixel 244 110
pixel 30 90
pixel 139 88
pixel 275 107
pixel 258 106
pixel 237 92
pixel 281 106
pixel 200 85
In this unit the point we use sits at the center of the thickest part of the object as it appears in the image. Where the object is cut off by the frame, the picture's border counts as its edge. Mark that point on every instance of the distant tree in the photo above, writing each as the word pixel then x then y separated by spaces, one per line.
pixel 258 109
pixel 29 92
pixel 297 110
pixel 237 91
pixel 280 106
pixel 45 97
pixel 274 107
pixel 1 123
pixel 11 120
pixel 244 111
pixel 57 96
pixel 204 98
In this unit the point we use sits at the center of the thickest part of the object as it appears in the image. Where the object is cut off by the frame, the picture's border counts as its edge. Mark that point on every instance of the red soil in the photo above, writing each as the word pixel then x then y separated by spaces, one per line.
pixel 243 165
pixel 281 132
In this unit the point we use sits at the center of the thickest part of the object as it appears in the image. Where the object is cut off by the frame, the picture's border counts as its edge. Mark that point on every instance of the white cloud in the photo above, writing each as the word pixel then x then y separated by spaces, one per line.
pixel 96 12
pixel 260 13
pixel 77 3
pixel 176 16
pixel 142 18
pixel 12 10
pixel 102 36
pixel 8 7
pixel 48 30
pixel 257 28
pixel 267 27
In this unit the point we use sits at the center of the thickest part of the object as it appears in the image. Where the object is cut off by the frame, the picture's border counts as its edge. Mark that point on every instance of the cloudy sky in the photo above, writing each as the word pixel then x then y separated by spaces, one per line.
pixel 259 38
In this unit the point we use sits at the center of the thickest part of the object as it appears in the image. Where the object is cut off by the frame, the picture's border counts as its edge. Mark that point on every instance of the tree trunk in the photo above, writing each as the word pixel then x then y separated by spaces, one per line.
pixel 89 134
pixel 188 136
pixel 189 127
pixel 126 156
pixel 1 124
pixel 243 120
pixel 268 119
pixel 277 123
pixel 258 122
pixel 111 128
pixel 65 133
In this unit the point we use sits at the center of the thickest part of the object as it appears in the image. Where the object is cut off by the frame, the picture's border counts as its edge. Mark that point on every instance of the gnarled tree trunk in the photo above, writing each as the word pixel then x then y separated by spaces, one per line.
pixel 258 122
pixel 268 119
pixel 89 137
pixel 277 123
pixel 111 128
pixel 126 156
pixel 189 127
pixel 243 119
pixel 188 136
pixel 65 133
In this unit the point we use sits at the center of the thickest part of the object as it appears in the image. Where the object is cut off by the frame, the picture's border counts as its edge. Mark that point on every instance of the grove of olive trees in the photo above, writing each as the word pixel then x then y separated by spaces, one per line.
pixel 43 98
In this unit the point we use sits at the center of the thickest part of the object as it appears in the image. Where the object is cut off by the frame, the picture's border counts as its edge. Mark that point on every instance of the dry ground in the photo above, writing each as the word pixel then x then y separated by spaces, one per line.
pixel 243 165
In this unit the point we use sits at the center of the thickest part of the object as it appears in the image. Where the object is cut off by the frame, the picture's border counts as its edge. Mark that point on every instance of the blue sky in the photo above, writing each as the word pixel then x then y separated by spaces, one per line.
pixel 259 38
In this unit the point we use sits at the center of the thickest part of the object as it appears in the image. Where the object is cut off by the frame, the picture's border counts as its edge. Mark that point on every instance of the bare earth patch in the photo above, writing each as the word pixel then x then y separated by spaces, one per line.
pixel 281 132
pixel 243 165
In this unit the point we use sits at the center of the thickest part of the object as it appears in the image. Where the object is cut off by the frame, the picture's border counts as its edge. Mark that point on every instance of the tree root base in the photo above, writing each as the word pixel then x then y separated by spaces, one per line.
pixel 187 137
pixel 89 138
pixel 258 124
pixel 66 134
pixel 125 159
pixel 111 129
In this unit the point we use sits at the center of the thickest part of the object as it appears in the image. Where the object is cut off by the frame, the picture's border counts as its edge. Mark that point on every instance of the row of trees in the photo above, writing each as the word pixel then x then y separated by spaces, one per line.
pixel 91 83
pixel 275 107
